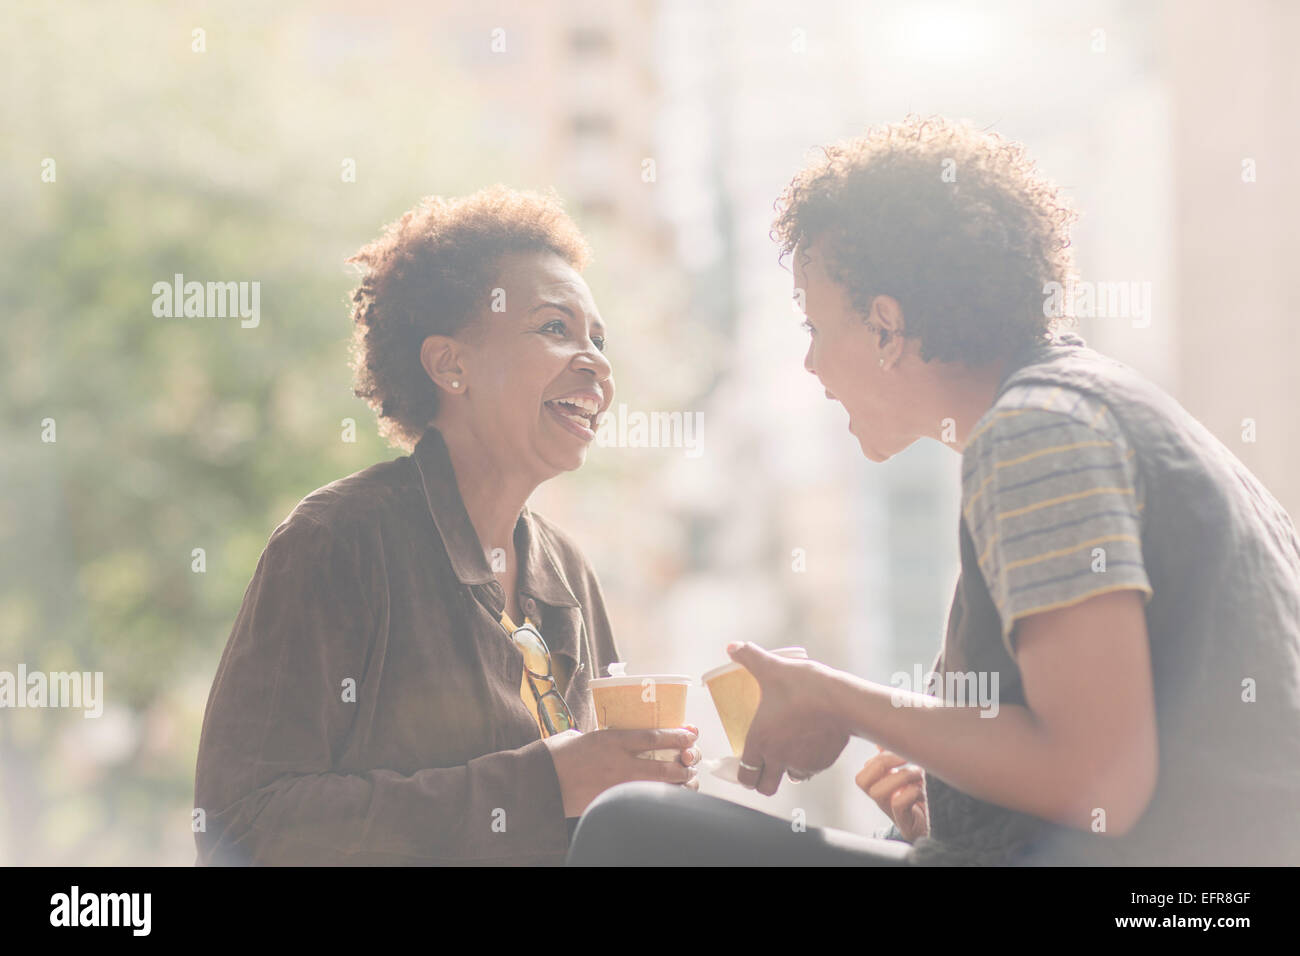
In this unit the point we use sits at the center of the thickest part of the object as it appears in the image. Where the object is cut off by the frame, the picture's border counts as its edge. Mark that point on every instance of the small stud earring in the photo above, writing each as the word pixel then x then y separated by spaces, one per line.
pixel 882 363
pixel 455 383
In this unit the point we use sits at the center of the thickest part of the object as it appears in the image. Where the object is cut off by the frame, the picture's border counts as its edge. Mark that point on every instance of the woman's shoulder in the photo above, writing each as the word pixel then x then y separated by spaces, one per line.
pixel 362 500
pixel 1032 416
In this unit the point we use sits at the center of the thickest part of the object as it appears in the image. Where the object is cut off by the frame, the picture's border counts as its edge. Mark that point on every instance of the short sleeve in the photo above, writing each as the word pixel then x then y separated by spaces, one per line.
pixel 1051 501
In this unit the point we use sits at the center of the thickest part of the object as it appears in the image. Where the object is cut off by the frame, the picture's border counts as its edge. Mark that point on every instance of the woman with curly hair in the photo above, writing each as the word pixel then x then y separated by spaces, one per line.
pixel 1120 679
pixel 377 703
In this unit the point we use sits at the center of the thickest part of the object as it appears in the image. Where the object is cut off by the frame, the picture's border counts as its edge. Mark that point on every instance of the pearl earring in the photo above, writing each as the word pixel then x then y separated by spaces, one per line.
pixel 455 383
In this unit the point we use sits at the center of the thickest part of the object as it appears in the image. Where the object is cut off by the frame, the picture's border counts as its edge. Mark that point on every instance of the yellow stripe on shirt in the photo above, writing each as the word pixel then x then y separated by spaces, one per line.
pixel 994 537
pixel 1070 550
pixel 988 424
pixel 1023 458
pixel 1071 497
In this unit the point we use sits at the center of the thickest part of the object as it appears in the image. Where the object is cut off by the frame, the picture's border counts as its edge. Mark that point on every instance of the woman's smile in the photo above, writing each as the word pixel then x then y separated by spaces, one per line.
pixel 577 412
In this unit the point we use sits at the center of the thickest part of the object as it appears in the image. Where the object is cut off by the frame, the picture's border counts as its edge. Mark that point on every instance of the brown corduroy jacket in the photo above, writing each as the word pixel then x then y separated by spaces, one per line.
pixel 366 709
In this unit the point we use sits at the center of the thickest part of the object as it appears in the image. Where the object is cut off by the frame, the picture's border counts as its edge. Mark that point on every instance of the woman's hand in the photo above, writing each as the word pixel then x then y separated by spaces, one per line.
pixel 589 764
pixel 898 788
pixel 794 730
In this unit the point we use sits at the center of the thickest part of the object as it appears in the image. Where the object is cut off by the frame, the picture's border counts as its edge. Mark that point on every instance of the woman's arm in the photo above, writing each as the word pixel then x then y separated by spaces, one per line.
pixel 302 663
pixel 1085 740
pixel 504 807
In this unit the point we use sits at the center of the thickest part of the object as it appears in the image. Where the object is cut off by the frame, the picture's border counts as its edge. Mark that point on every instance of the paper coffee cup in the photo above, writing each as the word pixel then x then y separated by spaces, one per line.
pixel 735 694
pixel 641 702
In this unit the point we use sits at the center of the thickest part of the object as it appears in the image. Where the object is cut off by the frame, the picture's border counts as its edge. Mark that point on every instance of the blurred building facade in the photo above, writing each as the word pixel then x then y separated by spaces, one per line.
pixel 1235 137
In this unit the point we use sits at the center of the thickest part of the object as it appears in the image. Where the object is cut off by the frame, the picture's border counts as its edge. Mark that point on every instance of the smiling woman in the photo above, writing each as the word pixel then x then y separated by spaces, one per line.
pixel 539 366
pixel 376 702
pixel 435 270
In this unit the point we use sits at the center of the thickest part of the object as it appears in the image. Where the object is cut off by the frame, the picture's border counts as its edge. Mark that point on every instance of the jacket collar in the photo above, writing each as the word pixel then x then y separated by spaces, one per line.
pixel 539 573
pixel 1057 343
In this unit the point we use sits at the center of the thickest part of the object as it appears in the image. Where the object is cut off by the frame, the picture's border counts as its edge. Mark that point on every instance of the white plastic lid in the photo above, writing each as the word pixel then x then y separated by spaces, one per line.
pixel 798 652
pixel 637 680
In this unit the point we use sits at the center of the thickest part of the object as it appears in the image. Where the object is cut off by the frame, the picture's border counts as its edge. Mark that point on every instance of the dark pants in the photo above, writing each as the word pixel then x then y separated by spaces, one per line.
pixel 659 824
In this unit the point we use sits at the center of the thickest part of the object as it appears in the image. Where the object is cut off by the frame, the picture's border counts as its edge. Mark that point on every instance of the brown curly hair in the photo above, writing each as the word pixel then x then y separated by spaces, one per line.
pixel 967 260
pixel 429 274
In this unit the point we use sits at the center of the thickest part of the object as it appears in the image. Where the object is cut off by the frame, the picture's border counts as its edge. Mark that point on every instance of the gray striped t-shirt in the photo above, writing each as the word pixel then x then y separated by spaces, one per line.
pixel 1052 499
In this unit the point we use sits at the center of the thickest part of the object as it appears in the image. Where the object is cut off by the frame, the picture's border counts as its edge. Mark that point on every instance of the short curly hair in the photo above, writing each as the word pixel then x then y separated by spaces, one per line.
pixel 428 274
pixel 953 222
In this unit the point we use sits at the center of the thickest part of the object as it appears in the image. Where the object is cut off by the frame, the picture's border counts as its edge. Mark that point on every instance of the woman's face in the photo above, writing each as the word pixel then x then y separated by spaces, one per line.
pixel 536 380
pixel 844 353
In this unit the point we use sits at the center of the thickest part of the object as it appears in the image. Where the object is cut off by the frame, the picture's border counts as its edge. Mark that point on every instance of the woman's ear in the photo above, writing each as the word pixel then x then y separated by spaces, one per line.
pixel 887 317
pixel 440 356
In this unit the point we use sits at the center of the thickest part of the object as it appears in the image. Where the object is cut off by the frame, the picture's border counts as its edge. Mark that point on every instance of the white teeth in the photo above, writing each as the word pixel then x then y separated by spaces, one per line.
pixel 559 405
pixel 587 405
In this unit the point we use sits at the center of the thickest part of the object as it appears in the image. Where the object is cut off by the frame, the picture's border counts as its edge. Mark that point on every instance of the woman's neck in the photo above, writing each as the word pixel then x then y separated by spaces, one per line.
pixel 493 495
pixel 962 394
